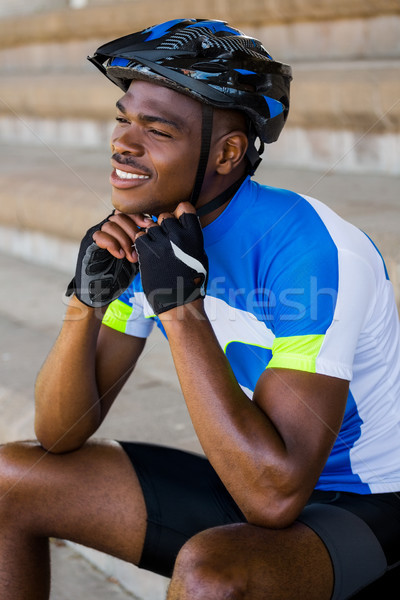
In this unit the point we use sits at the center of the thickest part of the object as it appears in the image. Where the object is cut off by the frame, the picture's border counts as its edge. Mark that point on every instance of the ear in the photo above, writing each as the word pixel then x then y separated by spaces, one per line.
pixel 231 152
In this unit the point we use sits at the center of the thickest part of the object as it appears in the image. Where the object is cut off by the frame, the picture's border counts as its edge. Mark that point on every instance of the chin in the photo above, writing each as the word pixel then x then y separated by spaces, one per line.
pixel 126 204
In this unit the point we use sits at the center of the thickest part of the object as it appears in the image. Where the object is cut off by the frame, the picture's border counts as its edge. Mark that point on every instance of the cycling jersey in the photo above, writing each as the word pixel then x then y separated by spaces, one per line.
pixel 293 285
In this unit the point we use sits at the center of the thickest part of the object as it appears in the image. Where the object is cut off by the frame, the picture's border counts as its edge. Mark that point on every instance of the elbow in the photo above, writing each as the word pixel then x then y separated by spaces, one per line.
pixel 272 516
pixel 55 441
pixel 57 448
pixel 43 434
pixel 274 507
pixel 58 433
pixel 54 445
pixel 47 436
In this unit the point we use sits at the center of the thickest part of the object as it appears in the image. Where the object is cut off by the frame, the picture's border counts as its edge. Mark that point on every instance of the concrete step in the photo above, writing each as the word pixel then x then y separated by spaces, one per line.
pixel 74 577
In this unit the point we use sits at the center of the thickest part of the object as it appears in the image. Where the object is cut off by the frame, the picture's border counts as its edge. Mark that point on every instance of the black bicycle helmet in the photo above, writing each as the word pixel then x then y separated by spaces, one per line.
pixel 213 63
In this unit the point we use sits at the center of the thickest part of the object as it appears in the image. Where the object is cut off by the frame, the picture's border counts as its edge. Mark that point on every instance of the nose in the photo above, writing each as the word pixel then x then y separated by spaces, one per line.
pixel 127 141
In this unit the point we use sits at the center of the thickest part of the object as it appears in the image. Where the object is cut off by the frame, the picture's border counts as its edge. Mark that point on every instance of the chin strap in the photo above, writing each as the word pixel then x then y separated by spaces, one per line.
pixel 221 199
pixel 206 132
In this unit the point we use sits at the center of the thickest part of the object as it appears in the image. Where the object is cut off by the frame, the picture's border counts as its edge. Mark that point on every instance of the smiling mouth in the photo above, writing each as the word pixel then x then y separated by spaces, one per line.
pixel 126 175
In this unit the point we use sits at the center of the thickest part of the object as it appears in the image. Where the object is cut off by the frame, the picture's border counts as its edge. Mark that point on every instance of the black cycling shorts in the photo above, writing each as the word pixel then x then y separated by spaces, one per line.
pixel 184 496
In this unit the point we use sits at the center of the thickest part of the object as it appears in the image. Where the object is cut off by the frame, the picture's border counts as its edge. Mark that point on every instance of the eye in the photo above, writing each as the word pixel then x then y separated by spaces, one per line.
pixel 121 120
pixel 159 133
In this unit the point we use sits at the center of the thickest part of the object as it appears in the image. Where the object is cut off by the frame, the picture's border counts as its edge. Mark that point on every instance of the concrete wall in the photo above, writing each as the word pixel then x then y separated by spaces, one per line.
pixel 345 55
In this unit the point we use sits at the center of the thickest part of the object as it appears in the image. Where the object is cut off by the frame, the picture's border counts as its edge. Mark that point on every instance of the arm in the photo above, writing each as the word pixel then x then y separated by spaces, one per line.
pixel 84 372
pixel 89 363
pixel 270 452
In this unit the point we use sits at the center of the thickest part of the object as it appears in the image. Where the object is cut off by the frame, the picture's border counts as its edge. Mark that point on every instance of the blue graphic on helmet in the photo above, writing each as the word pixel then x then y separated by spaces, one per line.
pixel 275 107
pixel 245 72
pixel 159 30
pixel 215 26
pixel 119 62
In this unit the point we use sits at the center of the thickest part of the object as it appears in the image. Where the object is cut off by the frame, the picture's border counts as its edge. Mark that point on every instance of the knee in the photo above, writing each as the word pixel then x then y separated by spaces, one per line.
pixel 16 461
pixel 204 569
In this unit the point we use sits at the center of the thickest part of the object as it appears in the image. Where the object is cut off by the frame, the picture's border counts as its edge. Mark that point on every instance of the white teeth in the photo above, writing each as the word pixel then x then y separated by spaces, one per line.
pixel 126 175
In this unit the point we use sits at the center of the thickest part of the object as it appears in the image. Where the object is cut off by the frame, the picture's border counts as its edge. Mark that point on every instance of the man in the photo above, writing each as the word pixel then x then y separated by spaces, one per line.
pixel 285 337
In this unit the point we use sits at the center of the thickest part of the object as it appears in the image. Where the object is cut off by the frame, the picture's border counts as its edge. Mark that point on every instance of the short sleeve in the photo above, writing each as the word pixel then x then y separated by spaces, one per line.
pixel 127 313
pixel 323 292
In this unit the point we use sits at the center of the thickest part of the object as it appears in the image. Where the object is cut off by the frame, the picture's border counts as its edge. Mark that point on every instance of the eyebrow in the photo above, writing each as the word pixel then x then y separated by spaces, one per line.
pixel 178 125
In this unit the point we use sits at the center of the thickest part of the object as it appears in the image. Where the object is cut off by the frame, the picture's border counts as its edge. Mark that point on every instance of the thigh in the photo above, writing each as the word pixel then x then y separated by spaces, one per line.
pixel 183 496
pixel 90 496
pixel 361 533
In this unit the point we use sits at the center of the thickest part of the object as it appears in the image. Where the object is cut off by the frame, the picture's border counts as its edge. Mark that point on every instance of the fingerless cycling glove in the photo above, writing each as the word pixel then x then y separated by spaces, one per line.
pixel 99 277
pixel 173 263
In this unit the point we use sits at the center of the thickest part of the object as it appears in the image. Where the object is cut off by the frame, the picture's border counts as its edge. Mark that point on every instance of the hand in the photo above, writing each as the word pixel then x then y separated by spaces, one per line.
pixel 118 234
pixel 106 264
pixel 173 263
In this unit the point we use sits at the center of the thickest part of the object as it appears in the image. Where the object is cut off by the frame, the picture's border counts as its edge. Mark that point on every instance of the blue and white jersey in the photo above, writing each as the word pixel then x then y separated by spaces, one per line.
pixel 293 285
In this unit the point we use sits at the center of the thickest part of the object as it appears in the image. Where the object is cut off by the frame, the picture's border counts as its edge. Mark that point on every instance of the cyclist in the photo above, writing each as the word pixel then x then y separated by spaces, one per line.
pixel 285 336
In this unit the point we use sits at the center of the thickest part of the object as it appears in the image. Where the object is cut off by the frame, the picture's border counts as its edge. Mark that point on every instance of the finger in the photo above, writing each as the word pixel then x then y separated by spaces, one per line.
pixel 120 239
pixel 106 242
pixel 184 207
pixel 125 224
pixel 151 225
pixel 163 216
pixel 138 219
pixel 170 225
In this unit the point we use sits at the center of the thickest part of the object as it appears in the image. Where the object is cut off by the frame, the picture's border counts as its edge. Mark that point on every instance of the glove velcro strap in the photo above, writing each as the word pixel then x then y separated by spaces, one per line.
pixel 164 300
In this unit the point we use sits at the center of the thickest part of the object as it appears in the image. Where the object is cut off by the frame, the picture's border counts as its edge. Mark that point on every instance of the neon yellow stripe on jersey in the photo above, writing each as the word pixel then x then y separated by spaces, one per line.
pixel 117 315
pixel 297 352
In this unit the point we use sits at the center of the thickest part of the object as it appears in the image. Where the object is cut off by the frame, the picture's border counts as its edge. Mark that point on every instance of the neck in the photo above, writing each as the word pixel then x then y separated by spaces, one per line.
pixel 207 219
pixel 212 204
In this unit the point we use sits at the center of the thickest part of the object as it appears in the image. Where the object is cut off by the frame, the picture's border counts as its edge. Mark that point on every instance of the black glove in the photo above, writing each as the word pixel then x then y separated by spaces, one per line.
pixel 99 277
pixel 171 258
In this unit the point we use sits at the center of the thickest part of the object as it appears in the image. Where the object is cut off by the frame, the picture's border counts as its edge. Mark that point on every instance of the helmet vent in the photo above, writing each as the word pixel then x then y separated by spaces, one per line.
pixel 179 39
pixel 209 40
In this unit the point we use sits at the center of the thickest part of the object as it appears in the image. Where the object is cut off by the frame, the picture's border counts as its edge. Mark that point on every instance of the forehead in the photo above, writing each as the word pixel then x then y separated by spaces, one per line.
pixel 155 100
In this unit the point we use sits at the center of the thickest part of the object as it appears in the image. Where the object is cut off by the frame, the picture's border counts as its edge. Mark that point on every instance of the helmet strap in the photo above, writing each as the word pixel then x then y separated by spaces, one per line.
pixel 221 199
pixel 253 155
pixel 206 132
pixel 207 124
